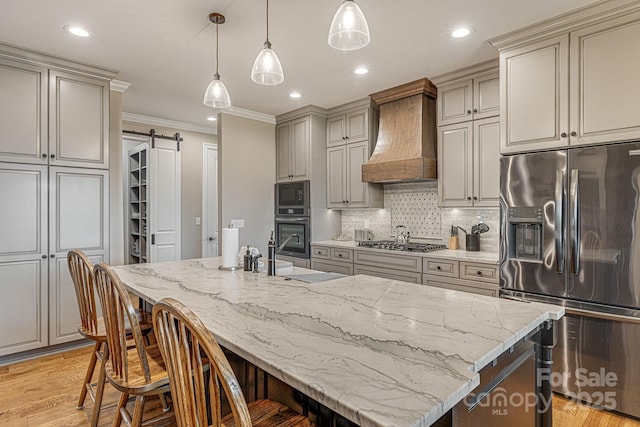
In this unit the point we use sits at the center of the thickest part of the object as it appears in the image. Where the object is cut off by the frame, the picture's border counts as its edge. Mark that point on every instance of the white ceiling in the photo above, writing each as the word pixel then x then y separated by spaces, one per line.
pixel 165 48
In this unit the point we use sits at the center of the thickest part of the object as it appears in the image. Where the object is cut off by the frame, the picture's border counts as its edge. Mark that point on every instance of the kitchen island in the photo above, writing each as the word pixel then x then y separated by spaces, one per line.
pixel 377 351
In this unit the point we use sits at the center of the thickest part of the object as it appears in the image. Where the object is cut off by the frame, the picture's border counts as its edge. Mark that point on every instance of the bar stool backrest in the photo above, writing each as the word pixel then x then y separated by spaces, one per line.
pixel 120 321
pixel 197 368
pixel 81 270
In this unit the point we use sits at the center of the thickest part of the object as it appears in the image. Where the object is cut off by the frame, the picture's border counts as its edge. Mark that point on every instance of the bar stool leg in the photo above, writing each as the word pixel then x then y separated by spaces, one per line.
pixel 88 375
pixel 102 374
pixel 117 417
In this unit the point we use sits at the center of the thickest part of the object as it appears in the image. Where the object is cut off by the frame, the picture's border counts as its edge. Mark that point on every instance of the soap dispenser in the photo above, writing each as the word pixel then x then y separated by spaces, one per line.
pixel 271 252
pixel 248 260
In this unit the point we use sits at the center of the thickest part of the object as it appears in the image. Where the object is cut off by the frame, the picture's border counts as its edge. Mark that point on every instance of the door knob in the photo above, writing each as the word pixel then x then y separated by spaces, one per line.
pixel 574 133
pixel 44 156
pixel 563 135
pixel 211 239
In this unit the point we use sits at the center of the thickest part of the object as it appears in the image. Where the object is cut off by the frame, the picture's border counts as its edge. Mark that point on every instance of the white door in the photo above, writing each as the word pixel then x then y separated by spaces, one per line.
pixel 455 164
pixel 455 103
pixel 164 201
pixel 283 152
pixel 301 147
pixel 336 177
pixel 78 219
pixel 486 158
pixel 23 257
pixel 357 191
pixel 209 200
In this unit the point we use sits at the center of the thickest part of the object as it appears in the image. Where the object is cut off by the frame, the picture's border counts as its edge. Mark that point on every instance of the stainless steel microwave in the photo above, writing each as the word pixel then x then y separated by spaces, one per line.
pixel 292 198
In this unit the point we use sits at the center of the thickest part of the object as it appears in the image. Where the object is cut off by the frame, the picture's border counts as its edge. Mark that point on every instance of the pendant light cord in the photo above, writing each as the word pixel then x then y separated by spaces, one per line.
pixel 267 21
pixel 217 38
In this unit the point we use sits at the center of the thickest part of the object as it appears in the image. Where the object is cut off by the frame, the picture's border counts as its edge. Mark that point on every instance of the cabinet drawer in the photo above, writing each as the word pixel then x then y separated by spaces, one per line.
pixel 461 285
pixel 342 254
pixel 441 267
pixel 481 272
pixel 320 252
pixel 387 273
pixel 332 267
pixel 398 262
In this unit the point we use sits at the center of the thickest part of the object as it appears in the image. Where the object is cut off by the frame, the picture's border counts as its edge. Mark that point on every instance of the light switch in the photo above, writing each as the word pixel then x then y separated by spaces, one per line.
pixel 197 220
pixel 237 223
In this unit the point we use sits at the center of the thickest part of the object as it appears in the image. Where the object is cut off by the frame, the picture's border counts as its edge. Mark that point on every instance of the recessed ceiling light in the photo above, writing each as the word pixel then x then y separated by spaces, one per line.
pixel 461 32
pixel 361 70
pixel 211 119
pixel 76 31
pixel 295 95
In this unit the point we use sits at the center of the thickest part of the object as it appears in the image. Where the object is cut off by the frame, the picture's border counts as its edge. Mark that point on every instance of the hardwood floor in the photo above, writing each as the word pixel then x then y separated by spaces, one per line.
pixel 43 393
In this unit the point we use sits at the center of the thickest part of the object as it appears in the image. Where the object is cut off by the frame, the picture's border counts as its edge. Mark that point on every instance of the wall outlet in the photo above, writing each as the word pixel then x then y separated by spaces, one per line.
pixel 198 222
pixel 237 223
pixel 366 223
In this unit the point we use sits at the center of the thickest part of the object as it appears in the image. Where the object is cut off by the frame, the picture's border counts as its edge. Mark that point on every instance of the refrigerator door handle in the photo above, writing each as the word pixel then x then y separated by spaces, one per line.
pixel 575 221
pixel 559 221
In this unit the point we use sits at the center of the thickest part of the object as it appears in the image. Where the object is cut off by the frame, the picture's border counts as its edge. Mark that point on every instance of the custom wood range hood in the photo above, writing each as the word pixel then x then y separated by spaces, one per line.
pixel 406 148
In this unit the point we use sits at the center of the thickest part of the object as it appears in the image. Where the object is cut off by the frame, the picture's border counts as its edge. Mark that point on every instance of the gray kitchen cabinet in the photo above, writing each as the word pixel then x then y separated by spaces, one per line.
pixel 469 99
pixel 332 266
pixel 469 163
pixel 292 148
pixel 388 266
pixel 387 273
pixel 332 260
pixel 566 83
pixel 347 151
pixel 474 277
pixel 348 126
pixel 297 262
pixel 53 117
pixel 60 209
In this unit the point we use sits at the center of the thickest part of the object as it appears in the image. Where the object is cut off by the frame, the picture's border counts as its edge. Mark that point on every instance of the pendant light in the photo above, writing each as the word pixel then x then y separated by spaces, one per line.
pixel 216 95
pixel 266 68
pixel 349 29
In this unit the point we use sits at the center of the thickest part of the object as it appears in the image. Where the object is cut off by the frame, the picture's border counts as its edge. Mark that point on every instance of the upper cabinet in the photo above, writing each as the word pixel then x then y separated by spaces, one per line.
pixel 572 81
pixel 469 137
pixel 351 133
pixel 469 99
pixel 53 117
pixel 300 144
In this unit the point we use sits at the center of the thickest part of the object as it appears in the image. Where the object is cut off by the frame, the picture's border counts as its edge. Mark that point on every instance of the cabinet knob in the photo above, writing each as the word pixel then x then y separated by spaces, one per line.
pixel 468 111
pixel 469 198
pixel 475 110
pixel 438 268
pixel 574 133
pixel 53 156
pixel 340 255
pixel 52 256
pixel 563 135
pixel 347 201
pixel 44 257
pixel 479 273
pixel 475 197
pixel 44 156
pixel 346 137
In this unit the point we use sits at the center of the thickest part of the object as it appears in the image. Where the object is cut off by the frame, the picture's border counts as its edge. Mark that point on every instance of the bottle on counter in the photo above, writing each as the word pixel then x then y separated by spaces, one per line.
pixel 247 263
pixel 271 249
pixel 256 263
pixel 453 238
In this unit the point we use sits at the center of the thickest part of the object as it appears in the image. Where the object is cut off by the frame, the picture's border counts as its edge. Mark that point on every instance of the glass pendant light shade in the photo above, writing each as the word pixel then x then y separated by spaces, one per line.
pixel 267 69
pixel 216 95
pixel 349 29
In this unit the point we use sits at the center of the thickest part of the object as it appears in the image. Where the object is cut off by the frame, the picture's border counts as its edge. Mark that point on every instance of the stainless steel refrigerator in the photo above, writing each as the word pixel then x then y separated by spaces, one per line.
pixel 568 236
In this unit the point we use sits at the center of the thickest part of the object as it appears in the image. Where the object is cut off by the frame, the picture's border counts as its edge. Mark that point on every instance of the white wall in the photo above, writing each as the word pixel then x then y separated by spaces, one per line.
pixel 247 153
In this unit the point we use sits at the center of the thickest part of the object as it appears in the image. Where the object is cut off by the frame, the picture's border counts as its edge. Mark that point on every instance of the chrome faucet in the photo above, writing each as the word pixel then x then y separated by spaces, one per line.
pixel 287 240
pixel 401 237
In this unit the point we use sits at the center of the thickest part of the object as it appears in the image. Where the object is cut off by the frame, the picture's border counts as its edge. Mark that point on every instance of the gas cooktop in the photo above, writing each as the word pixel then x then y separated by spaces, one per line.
pixel 410 247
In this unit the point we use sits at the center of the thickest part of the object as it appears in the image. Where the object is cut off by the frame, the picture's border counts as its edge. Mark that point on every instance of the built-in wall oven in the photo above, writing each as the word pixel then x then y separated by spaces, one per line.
pixel 292 217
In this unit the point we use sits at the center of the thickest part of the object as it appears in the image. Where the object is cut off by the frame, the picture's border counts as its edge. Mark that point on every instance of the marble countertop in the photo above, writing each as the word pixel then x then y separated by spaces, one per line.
pixel 460 254
pixel 377 351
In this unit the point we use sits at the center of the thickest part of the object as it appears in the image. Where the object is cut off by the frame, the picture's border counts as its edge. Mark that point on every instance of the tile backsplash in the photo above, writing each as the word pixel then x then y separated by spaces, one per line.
pixel 415 205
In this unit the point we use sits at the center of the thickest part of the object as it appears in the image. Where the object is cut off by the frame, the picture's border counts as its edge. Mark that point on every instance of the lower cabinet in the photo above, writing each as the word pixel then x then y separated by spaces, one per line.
pixel 297 262
pixel 461 285
pixel 332 266
pixel 387 273
pixel 473 277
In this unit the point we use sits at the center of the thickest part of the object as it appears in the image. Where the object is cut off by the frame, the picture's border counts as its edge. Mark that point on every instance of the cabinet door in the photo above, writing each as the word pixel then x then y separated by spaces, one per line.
pixel 534 96
pixel 605 82
pixel 455 103
pixel 164 202
pixel 455 162
pixel 486 96
pixel 78 121
pixel 486 162
pixel 336 176
pixel 336 131
pixel 23 257
pixel 357 191
pixel 78 219
pixel 358 126
pixel 23 113
pixel 283 152
pixel 301 148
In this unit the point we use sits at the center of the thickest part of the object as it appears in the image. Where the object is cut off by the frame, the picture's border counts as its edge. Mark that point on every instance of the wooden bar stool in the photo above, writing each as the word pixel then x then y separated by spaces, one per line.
pixel 197 368
pixel 92 327
pixel 132 369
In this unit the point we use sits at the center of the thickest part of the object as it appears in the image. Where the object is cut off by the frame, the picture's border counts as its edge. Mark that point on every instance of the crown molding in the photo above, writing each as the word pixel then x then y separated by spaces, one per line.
pixel 304 111
pixel 119 85
pixel 171 124
pixel 10 51
pixel 466 73
pixel 248 114
pixel 567 22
